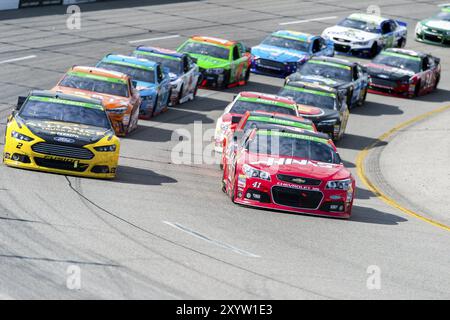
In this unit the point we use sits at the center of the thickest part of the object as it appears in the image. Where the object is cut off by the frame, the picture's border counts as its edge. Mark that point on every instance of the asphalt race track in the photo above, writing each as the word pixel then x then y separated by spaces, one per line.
pixel 162 230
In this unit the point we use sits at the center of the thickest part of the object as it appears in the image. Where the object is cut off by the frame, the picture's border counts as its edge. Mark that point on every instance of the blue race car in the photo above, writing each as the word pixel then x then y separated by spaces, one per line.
pixel 150 79
pixel 184 73
pixel 281 53
pixel 340 74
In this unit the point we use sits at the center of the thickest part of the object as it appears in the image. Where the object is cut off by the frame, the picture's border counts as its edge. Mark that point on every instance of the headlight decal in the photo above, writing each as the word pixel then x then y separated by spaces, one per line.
pixel 339 184
pixel 20 136
pixel 251 172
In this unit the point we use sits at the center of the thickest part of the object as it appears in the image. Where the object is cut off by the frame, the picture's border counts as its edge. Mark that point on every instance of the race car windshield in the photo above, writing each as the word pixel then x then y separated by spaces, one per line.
pixel 49 111
pixel 100 86
pixel 360 25
pixel 135 73
pixel 283 146
pixel 240 107
pixel 326 71
pixel 310 99
pixel 287 43
pixel 206 49
pixel 399 62
pixel 445 16
pixel 174 65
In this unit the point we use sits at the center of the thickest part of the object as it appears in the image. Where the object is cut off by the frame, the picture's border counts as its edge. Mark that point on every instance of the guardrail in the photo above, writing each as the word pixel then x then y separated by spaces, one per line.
pixel 16 4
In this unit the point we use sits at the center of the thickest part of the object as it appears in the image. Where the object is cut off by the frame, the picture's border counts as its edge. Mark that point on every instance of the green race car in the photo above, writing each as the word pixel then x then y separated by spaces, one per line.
pixel 223 63
pixel 435 30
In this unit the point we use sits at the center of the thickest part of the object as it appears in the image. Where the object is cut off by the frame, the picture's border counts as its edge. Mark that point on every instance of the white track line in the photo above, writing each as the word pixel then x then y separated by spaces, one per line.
pixel 154 39
pixel 211 241
pixel 308 20
pixel 17 59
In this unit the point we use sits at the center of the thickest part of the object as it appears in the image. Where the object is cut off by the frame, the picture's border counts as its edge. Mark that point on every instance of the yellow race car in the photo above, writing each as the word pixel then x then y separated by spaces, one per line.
pixel 61 133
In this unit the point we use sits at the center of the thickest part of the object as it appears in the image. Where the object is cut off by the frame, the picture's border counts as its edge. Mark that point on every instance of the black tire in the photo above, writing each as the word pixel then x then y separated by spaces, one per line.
pixel 417 89
pixel 247 75
pixel 374 50
pixel 401 43
pixel 437 82
pixel 155 105
pixel 363 99
pixel 180 95
pixel 350 98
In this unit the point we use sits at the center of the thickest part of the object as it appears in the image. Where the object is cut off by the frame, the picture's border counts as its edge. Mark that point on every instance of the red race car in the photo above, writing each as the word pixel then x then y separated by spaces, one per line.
pixel 262 119
pixel 289 170
pixel 403 73
pixel 250 101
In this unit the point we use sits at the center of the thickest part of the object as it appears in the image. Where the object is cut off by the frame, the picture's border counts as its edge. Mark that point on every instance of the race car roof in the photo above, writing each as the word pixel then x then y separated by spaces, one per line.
pixel 406 52
pixel 160 51
pixel 64 96
pixel 130 61
pixel 266 96
pixel 100 72
pixel 311 86
pixel 288 131
pixel 334 60
pixel 214 40
pixel 278 116
pixel 369 18
pixel 300 36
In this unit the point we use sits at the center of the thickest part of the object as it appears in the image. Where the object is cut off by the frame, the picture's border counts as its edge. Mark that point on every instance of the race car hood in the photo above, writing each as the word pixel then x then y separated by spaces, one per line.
pixel 317 114
pixel 437 24
pixel 350 34
pixel 72 134
pixel 384 71
pixel 207 62
pixel 317 79
pixel 278 54
pixel 108 101
pixel 298 167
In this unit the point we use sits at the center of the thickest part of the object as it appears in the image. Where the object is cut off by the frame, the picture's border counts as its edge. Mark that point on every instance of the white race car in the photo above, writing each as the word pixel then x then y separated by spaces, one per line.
pixel 366 34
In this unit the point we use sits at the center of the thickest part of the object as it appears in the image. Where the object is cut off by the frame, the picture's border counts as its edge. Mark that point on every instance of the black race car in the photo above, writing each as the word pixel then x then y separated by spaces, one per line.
pixel 325 106
pixel 404 73
pixel 337 73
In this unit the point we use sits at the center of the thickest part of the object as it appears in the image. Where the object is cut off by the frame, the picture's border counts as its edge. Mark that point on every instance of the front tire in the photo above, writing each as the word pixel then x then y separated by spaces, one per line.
pixel 363 99
pixel 417 89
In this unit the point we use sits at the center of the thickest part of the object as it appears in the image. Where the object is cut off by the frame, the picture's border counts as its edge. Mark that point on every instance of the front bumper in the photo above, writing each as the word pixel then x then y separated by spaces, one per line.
pixel 280 196
pixel 102 165
pixel 433 38
pixel 391 87
pixel 272 68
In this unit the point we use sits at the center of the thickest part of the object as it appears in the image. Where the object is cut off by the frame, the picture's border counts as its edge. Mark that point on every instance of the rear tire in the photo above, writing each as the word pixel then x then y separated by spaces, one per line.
pixel 438 78
pixel 374 50
pixel 363 99
pixel 417 89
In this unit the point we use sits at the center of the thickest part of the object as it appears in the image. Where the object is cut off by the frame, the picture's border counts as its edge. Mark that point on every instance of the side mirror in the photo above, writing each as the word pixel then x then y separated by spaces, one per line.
pixel 194 60
pixel 20 102
pixel 235 119
pixel 134 83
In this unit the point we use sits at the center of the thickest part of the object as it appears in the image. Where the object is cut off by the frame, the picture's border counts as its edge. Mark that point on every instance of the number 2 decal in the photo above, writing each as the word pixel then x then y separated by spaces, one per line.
pixel 19 145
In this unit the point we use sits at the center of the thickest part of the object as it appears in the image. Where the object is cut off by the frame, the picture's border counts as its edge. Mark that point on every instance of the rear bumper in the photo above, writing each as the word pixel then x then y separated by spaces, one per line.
pixel 257 68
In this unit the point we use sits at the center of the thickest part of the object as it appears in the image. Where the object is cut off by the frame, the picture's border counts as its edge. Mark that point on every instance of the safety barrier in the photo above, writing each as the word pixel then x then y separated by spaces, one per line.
pixel 16 4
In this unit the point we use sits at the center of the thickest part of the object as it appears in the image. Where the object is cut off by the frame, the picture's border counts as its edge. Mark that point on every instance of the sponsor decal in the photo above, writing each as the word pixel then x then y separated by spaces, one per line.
pixel 296 186
pixel 64 139
pixel 242 180
pixel 96 77
pixel 63 130
pixel 290 161
pixel 268 101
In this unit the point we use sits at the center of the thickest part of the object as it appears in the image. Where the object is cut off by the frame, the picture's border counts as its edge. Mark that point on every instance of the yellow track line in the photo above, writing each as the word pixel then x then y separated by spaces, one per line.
pixel 362 175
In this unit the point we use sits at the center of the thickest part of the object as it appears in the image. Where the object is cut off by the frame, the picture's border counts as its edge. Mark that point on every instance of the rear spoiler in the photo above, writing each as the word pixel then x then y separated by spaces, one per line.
pixel 401 23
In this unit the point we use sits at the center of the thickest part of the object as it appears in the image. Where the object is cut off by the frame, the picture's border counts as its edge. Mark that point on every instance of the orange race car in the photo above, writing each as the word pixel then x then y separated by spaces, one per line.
pixel 119 97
